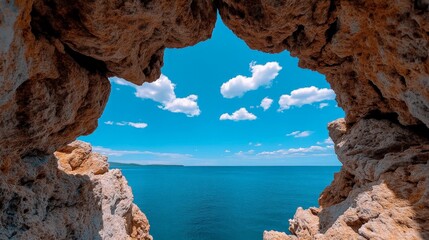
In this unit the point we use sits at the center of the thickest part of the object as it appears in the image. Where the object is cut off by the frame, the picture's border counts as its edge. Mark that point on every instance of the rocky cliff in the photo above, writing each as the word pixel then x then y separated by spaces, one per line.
pixel 375 55
pixel 55 57
pixel 68 195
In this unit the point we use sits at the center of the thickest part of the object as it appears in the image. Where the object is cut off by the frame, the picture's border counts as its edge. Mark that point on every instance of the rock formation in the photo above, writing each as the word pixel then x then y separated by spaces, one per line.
pixel 381 191
pixel 375 55
pixel 69 195
pixel 55 57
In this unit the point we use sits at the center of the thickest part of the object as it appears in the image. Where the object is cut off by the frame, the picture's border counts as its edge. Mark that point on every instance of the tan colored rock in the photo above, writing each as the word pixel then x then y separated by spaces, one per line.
pixel 127 38
pixel 47 98
pixel 78 158
pixel 55 57
pixel 375 54
pixel 40 201
pixel 381 191
pixel 273 235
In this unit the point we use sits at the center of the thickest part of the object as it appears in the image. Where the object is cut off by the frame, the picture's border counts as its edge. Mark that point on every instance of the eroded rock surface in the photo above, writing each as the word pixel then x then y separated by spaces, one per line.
pixel 375 54
pixel 381 191
pixel 55 57
pixel 69 195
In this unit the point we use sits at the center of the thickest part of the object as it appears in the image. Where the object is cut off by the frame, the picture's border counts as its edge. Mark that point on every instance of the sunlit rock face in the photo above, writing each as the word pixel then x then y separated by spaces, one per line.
pixel 375 54
pixel 71 195
pixel 381 191
pixel 55 57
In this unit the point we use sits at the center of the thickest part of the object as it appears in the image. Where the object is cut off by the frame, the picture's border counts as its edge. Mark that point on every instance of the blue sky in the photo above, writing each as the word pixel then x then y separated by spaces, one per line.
pixel 221 103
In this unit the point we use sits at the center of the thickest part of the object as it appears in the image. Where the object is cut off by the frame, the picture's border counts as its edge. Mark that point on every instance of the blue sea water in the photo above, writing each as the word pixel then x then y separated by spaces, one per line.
pixel 223 202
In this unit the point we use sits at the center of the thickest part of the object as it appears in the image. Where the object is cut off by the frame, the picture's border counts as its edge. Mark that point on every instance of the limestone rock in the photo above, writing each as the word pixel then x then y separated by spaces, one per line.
pixel 273 235
pixel 55 57
pixel 127 38
pixel 39 200
pixel 375 54
pixel 47 98
pixel 381 191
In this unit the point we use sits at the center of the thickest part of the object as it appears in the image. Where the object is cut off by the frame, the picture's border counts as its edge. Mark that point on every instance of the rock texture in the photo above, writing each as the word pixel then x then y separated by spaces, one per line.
pixel 375 54
pixel 55 57
pixel 69 195
pixel 381 191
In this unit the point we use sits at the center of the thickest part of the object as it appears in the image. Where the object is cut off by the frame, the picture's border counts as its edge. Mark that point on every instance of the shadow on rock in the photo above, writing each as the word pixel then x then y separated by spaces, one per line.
pixel 69 195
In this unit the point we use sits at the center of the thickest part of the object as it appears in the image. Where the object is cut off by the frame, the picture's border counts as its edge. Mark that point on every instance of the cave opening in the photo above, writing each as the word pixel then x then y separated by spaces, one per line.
pixel 248 126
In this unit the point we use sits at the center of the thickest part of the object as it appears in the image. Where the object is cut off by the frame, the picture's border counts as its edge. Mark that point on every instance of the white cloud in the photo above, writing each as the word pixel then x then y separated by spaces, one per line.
pixel 137 125
pixel 303 96
pixel 120 81
pixel 227 151
pixel 290 152
pixel 266 103
pixel 118 153
pixel 244 153
pixel 131 124
pixel 323 105
pixel 262 75
pixel 162 91
pixel 295 151
pixel 187 105
pixel 299 134
pixel 239 115
pixel 327 141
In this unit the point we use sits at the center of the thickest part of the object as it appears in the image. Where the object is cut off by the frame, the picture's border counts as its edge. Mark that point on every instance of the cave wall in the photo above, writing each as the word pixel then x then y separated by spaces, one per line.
pixel 56 56
pixel 375 54
pixel 55 60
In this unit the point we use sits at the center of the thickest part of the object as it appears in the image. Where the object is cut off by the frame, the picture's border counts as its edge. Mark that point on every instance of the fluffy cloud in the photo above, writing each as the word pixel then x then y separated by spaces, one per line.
pixel 131 124
pixel 162 91
pixel 266 103
pixel 262 75
pixel 187 105
pixel 303 96
pixel 239 115
pixel 118 153
pixel 299 134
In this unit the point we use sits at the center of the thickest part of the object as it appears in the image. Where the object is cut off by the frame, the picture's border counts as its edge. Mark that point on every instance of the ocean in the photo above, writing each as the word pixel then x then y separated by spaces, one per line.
pixel 223 202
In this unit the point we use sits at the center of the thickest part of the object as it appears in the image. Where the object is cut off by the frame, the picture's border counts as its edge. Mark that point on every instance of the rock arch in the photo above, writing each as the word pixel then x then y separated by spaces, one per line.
pixel 55 57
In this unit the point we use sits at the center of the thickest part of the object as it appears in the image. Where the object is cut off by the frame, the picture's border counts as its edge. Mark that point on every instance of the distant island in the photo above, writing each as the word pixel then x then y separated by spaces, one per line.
pixel 119 165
